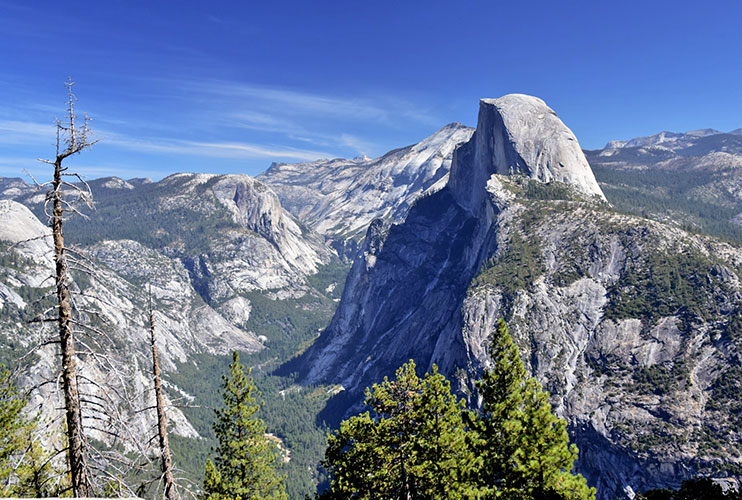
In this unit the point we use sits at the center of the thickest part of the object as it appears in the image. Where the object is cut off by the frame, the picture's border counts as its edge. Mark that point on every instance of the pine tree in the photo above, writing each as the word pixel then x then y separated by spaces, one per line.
pixel 26 469
pixel 37 476
pixel 246 461
pixel 444 462
pixel 414 446
pixel 12 430
pixel 524 446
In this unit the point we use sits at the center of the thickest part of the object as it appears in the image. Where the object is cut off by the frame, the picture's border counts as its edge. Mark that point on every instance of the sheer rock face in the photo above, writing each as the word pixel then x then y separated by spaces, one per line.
pixel 536 244
pixel 518 134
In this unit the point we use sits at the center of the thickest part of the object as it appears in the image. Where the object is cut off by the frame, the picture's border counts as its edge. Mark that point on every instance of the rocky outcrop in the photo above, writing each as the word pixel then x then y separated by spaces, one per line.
pixel 253 244
pixel 620 318
pixel 14 187
pixel 19 226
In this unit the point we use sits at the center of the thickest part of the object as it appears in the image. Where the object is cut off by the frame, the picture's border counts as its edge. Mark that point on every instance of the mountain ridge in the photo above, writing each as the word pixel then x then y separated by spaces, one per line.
pixel 339 198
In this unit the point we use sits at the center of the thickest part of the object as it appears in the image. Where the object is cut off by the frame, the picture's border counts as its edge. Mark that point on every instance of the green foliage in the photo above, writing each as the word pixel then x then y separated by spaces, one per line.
pixel 12 428
pixel 515 269
pixel 25 467
pixel 12 259
pixel 189 455
pixel 290 412
pixel 726 395
pixel 733 329
pixel 662 194
pixel 537 190
pixel 330 278
pixel 246 461
pixel 524 446
pixel 288 323
pixel 659 379
pixel 139 215
pixel 414 446
pixel 417 441
pixel 666 284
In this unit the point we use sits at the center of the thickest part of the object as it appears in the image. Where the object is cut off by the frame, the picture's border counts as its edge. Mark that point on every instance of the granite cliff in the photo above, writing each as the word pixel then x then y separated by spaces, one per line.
pixel 629 323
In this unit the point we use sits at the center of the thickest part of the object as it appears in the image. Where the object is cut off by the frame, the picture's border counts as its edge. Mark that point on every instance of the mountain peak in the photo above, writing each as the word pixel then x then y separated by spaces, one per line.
pixel 703 132
pixel 518 133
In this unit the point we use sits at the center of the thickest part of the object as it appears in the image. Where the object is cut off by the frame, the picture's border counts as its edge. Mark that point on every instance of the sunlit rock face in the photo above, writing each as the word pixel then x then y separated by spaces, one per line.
pixel 518 134
pixel 339 198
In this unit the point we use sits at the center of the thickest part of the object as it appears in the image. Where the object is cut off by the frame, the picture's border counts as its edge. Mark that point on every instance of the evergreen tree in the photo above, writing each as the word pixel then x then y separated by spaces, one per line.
pixel 524 446
pixel 414 446
pixel 246 461
pixel 26 470
pixel 13 429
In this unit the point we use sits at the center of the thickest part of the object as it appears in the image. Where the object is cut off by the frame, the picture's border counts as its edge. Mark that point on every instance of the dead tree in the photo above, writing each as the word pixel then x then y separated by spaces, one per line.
pixel 102 407
pixel 166 458
pixel 71 139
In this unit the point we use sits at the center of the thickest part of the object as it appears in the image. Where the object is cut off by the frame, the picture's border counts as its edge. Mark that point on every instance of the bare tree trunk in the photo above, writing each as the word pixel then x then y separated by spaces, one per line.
pixel 75 437
pixel 167 462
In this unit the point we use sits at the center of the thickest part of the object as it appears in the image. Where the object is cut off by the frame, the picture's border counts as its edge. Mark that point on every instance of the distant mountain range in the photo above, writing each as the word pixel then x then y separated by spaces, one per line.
pixel 691 180
pixel 670 140
pixel 339 198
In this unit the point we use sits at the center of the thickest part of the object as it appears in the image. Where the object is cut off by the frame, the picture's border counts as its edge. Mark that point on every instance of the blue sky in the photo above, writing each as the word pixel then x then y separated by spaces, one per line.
pixel 230 86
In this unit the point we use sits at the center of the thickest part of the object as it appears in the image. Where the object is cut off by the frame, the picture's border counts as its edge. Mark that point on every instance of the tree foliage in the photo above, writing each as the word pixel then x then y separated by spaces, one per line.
pixel 418 441
pixel 524 446
pixel 12 425
pixel 245 466
pixel 26 469
pixel 414 445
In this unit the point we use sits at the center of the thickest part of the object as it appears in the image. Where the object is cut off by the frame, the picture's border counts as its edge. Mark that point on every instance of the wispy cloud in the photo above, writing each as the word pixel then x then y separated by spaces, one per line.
pixel 231 150
pixel 356 143
pixel 21 132
pixel 320 119
pixel 21 167
pixel 25 133
pixel 241 123
pixel 292 101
